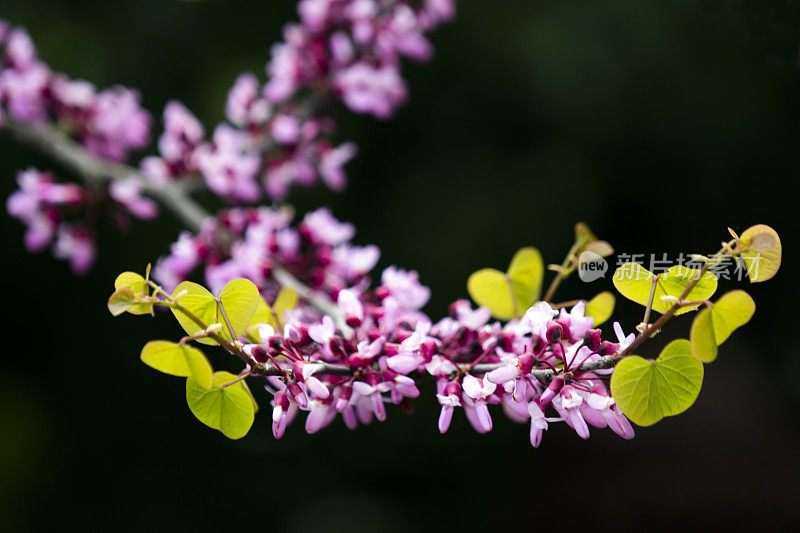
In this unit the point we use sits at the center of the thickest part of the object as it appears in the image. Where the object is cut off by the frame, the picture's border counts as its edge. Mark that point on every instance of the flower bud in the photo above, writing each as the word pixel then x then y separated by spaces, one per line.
pixel 276 343
pixel 538 345
pixel 554 332
pixel 566 333
pixel 453 388
pixel 592 339
pixel 428 348
pixel 506 341
pixel 259 353
pixel 353 321
pixel 525 364
pixel 608 348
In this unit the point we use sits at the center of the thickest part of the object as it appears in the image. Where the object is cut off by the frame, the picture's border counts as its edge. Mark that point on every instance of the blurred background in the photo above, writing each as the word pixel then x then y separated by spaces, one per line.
pixel 658 123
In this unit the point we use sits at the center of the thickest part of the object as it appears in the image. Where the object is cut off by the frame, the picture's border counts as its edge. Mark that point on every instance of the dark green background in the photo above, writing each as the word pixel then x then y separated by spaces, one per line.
pixel 659 123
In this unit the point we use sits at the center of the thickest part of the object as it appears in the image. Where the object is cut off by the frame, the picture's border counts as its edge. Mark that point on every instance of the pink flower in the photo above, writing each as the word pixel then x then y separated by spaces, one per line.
pixel 367 89
pixel 538 423
pixel 331 163
pixel 117 124
pixel 229 166
pixel 304 373
pixel 449 400
pixel 404 287
pixel 128 192
pixel 182 134
pixel 321 226
pixel 477 391
pixel 75 244
pixel 245 107
pixel 568 404
pixel 24 92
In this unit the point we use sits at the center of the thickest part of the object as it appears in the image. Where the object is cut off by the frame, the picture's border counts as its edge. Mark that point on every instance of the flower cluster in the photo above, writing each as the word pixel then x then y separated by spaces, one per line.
pixel 248 243
pixel 279 133
pixel 109 124
pixel 393 344
pixel 527 366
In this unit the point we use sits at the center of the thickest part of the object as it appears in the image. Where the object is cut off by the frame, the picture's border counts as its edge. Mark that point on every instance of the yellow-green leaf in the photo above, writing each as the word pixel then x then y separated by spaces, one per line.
pixel 489 287
pixel 526 272
pixel 601 307
pixel 763 256
pixel 704 345
pixel 511 294
pixel 120 301
pixel 239 297
pixel 583 235
pixel 647 391
pixel 634 282
pixel 713 325
pixel 138 286
pixel 201 303
pixel 178 360
pixel 230 409
pixel 733 310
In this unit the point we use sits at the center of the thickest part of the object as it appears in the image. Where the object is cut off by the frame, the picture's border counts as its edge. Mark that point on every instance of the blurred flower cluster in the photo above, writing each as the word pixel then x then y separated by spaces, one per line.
pixel 278 134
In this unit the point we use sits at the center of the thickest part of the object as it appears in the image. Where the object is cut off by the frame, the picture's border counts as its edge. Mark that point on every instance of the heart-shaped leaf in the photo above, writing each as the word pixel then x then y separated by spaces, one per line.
pixel 178 360
pixel 138 286
pixel 601 307
pixel 585 239
pixel 712 326
pixel 239 298
pixel 634 282
pixel 511 294
pixel 647 391
pixel 120 301
pixel 228 409
pixel 763 257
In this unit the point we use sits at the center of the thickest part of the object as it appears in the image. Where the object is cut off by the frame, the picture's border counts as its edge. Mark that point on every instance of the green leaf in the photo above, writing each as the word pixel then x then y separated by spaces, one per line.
pixel 704 345
pixel 647 391
pixel 763 255
pixel 733 310
pixel 239 297
pixel 139 288
pixel 583 235
pixel 177 360
pixel 489 287
pixel 712 326
pixel 511 294
pixel 634 282
pixel 585 239
pixel 120 301
pixel 526 272
pixel 230 410
pixel 601 307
